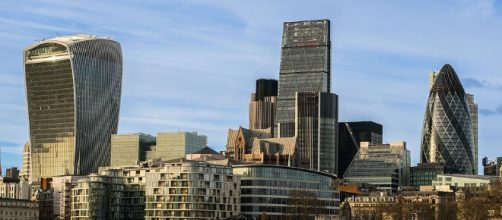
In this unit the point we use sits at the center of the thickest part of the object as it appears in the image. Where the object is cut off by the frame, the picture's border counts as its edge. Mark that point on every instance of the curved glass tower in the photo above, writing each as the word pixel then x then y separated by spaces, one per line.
pixel 73 86
pixel 447 135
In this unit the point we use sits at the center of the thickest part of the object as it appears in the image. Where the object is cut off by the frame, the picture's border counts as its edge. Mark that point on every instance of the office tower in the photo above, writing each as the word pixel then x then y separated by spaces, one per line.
pixel 73 86
pixel 490 167
pixel 447 130
pixel 305 67
pixel 350 134
pixel 316 125
pixel 473 112
pixel 129 149
pixel 12 172
pixel 263 104
pixel 283 192
pixel 26 168
pixel 384 165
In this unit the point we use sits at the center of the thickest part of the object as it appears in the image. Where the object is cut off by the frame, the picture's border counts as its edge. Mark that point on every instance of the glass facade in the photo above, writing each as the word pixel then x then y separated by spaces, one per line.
pixel 275 192
pixel 447 135
pixel 316 116
pixel 385 166
pixel 73 87
pixel 350 134
pixel 129 149
pixel 424 173
pixel 173 145
pixel 305 66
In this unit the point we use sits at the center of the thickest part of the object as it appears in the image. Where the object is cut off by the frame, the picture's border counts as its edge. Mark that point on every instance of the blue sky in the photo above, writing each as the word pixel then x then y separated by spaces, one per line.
pixel 191 65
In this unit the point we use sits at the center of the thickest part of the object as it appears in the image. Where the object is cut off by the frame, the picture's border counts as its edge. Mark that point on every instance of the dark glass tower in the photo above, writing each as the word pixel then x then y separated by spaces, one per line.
pixel 317 117
pixel 264 88
pixel 305 67
pixel 350 135
pixel 447 136
pixel 73 86
pixel 263 104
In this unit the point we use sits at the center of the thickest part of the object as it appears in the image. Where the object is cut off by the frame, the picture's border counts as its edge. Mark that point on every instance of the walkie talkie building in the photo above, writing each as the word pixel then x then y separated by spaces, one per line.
pixel 447 136
pixel 73 87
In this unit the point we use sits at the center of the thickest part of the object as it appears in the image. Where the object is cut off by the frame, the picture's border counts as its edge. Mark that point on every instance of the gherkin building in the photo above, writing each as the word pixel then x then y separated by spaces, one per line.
pixel 447 135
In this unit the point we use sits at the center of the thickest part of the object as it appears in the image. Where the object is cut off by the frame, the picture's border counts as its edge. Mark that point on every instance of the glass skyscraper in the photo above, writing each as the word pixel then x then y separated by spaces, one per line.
pixel 305 67
pixel 447 135
pixel 73 87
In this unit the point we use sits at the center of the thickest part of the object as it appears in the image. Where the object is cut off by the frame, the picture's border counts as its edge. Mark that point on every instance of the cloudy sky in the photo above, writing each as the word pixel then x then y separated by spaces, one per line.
pixel 191 65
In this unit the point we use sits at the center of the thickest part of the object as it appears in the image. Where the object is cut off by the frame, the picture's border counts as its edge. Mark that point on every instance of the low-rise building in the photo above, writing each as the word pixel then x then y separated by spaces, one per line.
pixel 464 181
pixel 18 209
pixel 62 186
pixel 279 192
pixel 424 173
pixel 14 188
pixel 385 166
pixel 186 189
pixel 491 167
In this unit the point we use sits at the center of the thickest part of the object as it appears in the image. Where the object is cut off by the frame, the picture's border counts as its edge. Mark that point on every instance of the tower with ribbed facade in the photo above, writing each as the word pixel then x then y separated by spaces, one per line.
pixel 73 88
pixel 447 134
pixel 305 67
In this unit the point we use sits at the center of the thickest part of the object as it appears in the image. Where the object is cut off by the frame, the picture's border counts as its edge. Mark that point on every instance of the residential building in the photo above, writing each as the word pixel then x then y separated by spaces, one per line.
pixel 447 135
pixel 129 149
pixel 464 181
pixel 385 166
pixel 263 104
pixel 114 193
pixel 18 209
pixel 490 167
pixel 62 187
pixel 350 134
pixel 14 188
pixel 424 173
pixel 305 67
pixel 73 87
pixel 192 190
pixel 277 192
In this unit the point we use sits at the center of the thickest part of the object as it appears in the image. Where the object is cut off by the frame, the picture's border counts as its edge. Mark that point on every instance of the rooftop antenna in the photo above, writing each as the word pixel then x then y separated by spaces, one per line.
pixel 437 69
pixel 1 161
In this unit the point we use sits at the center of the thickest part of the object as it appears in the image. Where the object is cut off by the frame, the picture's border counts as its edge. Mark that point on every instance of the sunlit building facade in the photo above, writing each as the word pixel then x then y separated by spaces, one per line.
pixel 447 134
pixel 73 87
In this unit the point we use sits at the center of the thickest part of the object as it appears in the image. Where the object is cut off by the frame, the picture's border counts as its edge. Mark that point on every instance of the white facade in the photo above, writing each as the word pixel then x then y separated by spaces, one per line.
pixel 458 180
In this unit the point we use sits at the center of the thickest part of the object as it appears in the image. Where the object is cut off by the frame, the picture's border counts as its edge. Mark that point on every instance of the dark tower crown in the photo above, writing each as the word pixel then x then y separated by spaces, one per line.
pixel 447 79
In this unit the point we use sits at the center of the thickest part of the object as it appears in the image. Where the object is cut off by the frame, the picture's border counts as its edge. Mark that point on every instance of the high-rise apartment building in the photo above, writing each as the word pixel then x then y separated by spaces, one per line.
pixel 305 67
pixel 316 124
pixel 263 104
pixel 387 166
pixel 73 86
pixel 350 134
pixel 447 135
pixel 129 149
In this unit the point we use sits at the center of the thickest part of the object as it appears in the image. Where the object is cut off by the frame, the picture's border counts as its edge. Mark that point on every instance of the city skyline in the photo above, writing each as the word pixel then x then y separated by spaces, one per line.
pixel 379 73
